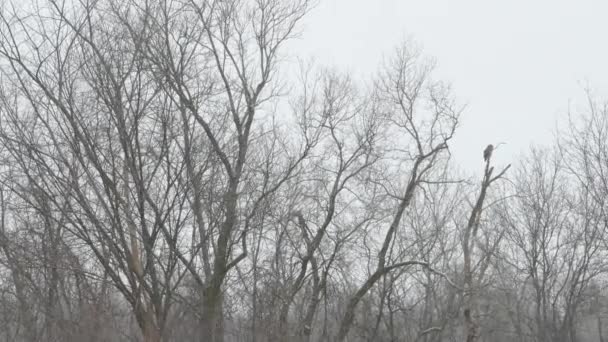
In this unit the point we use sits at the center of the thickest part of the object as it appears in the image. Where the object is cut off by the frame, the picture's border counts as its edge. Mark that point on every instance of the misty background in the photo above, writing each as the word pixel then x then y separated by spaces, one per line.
pixel 518 65
pixel 302 170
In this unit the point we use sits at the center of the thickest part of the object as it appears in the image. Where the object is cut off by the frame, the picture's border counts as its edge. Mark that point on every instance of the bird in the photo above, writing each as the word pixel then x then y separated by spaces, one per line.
pixel 487 153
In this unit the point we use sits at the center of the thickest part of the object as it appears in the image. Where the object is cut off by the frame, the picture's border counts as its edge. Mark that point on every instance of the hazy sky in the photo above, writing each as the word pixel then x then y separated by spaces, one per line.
pixel 516 64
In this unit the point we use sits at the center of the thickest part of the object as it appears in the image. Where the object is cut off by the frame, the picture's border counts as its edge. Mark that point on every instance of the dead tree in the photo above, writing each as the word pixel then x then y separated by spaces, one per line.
pixel 473 272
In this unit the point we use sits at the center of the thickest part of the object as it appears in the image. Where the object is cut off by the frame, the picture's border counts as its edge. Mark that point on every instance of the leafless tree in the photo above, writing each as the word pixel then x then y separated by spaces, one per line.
pixel 475 271
pixel 404 90
pixel 165 175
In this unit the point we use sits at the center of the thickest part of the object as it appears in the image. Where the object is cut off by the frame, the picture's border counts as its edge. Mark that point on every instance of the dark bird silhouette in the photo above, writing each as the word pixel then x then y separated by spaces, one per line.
pixel 487 153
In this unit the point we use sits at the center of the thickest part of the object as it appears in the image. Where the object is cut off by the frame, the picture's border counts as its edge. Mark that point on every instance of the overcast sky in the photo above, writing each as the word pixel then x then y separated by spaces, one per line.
pixel 516 64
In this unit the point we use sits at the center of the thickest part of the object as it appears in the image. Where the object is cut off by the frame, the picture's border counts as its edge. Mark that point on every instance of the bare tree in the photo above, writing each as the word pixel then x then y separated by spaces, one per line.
pixel 165 176
pixel 217 62
pixel 405 88
pixel 475 271
pixel 79 123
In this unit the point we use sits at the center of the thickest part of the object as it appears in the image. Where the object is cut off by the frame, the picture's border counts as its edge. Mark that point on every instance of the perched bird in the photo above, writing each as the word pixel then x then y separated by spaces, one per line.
pixel 487 153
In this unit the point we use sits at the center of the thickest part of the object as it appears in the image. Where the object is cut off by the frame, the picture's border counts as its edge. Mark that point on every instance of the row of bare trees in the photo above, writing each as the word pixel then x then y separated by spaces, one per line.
pixel 165 175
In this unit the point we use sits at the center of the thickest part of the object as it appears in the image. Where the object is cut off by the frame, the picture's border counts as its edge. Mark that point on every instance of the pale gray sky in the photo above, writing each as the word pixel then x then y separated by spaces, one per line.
pixel 516 63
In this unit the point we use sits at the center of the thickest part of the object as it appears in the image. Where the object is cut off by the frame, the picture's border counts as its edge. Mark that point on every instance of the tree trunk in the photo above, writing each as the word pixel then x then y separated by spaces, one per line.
pixel 306 325
pixel 151 332
pixel 212 320
pixel 149 328
pixel 471 326
pixel 599 328
pixel 468 244
pixel 349 315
